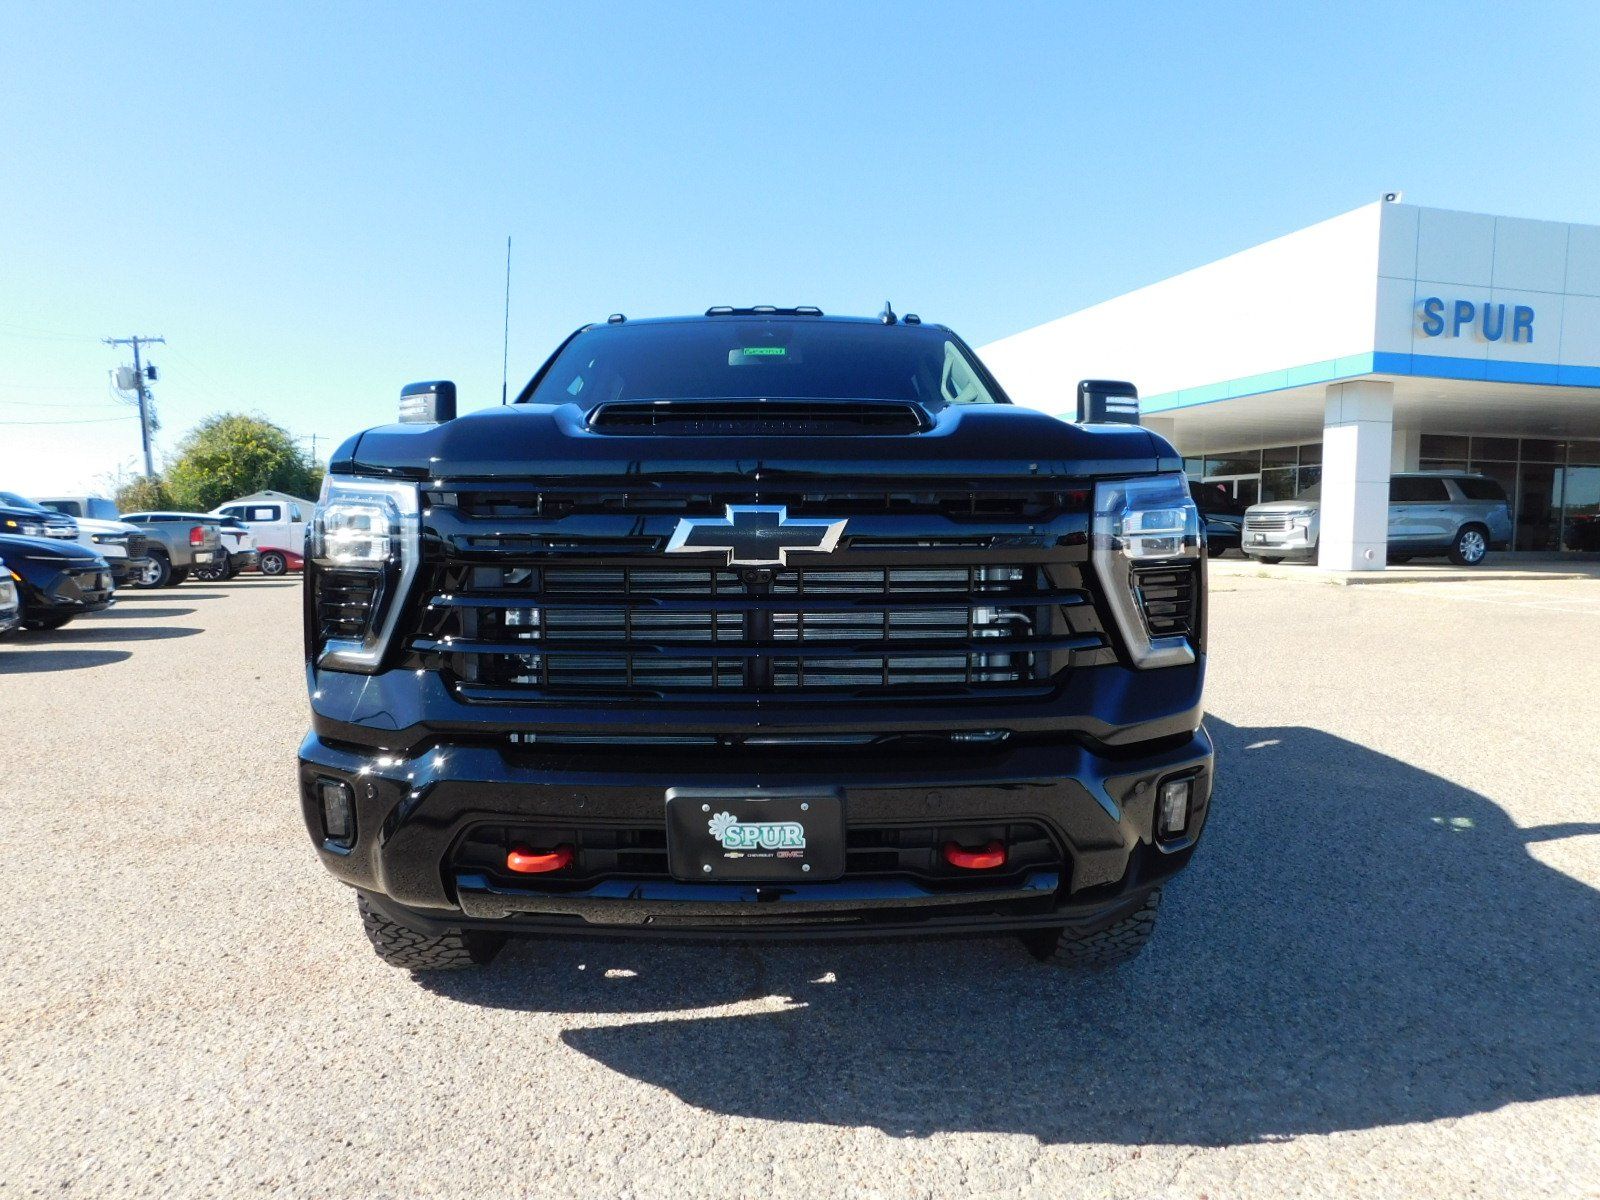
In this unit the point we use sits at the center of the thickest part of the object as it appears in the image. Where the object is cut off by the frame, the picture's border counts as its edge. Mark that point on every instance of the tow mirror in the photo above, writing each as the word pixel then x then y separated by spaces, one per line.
pixel 1107 401
pixel 428 403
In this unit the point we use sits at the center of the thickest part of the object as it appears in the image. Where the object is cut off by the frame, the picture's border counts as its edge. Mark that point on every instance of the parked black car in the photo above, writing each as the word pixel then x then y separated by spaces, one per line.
pixel 21 517
pixel 1222 514
pixel 756 624
pixel 56 580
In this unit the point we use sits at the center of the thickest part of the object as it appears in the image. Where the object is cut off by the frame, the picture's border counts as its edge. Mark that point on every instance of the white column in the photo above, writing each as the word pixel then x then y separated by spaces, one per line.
pixel 1407 452
pixel 1357 446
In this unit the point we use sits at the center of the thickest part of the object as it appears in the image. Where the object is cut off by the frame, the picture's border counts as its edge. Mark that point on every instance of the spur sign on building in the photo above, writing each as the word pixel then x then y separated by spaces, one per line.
pixel 1482 319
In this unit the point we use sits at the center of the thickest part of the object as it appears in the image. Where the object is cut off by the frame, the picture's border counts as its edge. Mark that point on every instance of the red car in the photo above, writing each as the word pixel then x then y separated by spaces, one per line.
pixel 280 562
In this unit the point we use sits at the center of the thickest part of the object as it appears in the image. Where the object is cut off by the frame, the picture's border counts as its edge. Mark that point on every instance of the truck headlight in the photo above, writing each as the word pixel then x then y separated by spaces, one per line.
pixel 26 528
pixel 364 547
pixel 1146 550
pixel 8 594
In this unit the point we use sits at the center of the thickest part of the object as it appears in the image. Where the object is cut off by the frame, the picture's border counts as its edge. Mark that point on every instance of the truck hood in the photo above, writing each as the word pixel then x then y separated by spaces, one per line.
pixel 92 525
pixel 543 441
pixel 1283 506
pixel 47 551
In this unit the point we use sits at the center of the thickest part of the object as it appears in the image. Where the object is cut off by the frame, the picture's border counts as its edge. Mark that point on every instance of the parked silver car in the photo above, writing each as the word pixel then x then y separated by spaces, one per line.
pixel 1431 514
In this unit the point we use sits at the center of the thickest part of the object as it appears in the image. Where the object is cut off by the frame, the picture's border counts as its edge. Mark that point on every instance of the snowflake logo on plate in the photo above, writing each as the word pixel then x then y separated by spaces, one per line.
pixel 722 824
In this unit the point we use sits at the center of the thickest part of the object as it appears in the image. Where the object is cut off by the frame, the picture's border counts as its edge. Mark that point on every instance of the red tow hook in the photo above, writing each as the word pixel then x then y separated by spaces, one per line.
pixel 538 862
pixel 983 859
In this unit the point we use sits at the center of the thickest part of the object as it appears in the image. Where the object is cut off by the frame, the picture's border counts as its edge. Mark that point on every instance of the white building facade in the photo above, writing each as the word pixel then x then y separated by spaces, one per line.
pixel 1391 338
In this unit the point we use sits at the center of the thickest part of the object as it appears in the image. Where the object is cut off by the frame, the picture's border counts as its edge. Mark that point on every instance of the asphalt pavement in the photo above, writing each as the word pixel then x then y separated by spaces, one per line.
pixel 1381 976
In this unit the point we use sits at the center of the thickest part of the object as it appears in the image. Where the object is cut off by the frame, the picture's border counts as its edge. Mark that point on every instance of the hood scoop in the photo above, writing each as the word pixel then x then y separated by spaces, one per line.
pixel 758 418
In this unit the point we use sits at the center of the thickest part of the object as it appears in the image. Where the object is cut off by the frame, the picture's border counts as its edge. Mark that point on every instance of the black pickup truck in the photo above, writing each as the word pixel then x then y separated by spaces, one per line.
pixel 760 624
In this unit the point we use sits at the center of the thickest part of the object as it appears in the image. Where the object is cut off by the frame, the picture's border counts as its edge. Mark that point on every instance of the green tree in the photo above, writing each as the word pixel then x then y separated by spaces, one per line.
pixel 232 455
pixel 142 493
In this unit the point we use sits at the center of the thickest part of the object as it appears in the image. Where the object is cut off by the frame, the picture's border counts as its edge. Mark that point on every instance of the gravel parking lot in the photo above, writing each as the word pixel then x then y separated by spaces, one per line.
pixel 1381 975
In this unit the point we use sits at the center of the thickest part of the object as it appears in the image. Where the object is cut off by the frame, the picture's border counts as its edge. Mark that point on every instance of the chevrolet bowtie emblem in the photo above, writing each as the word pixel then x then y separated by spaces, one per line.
pixel 754 535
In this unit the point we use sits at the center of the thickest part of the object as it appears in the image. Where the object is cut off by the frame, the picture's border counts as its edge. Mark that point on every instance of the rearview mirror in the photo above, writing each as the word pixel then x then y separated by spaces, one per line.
pixel 428 403
pixel 1107 401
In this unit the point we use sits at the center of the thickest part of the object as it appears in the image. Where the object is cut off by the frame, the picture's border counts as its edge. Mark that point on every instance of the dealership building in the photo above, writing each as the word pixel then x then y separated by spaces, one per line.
pixel 1391 338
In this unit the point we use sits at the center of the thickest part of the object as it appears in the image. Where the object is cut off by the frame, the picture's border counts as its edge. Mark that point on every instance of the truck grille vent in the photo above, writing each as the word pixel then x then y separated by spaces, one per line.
pixel 1266 522
pixel 517 631
pixel 1168 597
pixel 635 497
pixel 345 603
pixel 757 418
pixel 138 545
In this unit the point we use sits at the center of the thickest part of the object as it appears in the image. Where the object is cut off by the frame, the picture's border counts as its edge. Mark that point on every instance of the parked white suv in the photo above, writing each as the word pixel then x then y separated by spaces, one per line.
pixel 1432 514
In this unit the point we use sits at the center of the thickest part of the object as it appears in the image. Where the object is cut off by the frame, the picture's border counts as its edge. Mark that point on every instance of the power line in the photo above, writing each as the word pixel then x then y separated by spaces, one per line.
pixel 85 421
pixel 144 392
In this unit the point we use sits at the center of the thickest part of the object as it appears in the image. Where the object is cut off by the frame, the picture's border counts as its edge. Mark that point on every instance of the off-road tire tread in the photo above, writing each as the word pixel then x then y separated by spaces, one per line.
pixel 1112 946
pixel 412 950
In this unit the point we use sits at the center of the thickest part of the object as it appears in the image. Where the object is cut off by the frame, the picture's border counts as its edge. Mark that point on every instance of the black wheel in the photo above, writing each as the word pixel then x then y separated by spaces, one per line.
pixel 179 574
pixel 1270 560
pixel 273 563
pixel 412 950
pixel 1113 945
pixel 1470 546
pixel 157 571
pixel 217 570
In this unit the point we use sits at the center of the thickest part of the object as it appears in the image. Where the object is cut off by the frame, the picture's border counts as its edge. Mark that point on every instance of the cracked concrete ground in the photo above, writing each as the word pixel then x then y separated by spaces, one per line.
pixel 1378 978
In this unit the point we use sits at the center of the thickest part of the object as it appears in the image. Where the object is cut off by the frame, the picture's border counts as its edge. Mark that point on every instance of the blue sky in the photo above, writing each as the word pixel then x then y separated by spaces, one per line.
pixel 312 205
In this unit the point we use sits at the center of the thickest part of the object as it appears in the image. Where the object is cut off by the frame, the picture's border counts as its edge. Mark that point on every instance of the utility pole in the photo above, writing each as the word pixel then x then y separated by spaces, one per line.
pixel 144 392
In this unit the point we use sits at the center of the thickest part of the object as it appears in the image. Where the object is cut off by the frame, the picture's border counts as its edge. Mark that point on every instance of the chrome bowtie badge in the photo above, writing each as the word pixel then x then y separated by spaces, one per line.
pixel 755 535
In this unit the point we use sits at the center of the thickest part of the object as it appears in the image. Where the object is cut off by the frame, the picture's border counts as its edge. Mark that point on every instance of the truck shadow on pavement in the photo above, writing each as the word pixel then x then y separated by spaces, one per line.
pixel 1358 943
pixel 77 634
pixel 14 663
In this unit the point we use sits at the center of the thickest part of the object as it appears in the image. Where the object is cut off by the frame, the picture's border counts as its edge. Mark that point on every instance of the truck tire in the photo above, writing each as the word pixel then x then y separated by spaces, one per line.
pixel 1269 559
pixel 157 572
pixel 1110 947
pixel 412 950
pixel 215 571
pixel 273 563
pixel 1470 546
pixel 179 574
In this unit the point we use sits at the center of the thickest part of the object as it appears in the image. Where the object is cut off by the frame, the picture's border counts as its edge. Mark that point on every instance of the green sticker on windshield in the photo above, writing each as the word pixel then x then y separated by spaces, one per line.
pixel 764 351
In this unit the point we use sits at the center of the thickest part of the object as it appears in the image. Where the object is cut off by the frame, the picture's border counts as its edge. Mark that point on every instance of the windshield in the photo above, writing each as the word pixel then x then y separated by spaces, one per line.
pixel 1314 492
pixel 744 359
pixel 12 500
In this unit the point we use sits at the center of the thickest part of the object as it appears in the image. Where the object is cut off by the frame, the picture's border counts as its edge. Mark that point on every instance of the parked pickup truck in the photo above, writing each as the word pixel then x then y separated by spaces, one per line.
pixel 179 542
pixel 756 624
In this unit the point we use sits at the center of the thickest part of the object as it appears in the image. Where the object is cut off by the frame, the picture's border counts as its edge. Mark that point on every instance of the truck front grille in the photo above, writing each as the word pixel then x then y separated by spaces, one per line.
pixel 534 595
pixel 137 545
pixel 1265 522
pixel 654 630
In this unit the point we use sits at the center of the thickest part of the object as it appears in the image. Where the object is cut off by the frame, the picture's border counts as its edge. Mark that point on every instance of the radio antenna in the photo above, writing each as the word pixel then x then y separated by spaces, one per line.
pixel 505 337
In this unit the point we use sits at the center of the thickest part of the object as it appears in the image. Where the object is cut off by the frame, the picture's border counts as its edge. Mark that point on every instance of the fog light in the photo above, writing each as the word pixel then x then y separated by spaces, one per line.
pixel 1175 795
pixel 338 811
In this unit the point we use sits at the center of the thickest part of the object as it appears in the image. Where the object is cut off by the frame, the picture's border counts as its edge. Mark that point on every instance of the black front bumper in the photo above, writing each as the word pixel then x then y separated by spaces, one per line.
pixel 52 591
pixel 413 814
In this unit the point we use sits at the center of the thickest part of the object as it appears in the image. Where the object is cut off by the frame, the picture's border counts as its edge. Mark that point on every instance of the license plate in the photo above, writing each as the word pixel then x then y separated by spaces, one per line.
pixel 203 556
pixel 1259 539
pixel 733 835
